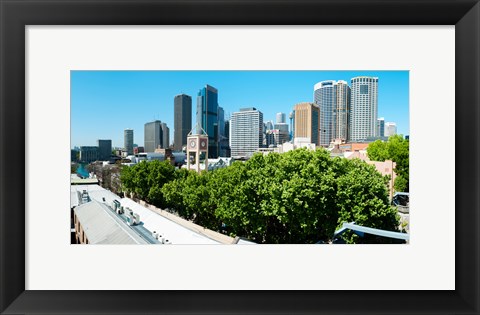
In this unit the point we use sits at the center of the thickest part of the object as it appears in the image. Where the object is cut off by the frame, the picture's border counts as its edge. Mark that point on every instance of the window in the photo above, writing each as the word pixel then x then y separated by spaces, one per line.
pixel 363 89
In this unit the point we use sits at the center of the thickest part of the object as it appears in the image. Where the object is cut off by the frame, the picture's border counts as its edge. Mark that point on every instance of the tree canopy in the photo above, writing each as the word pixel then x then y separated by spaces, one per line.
pixel 300 196
pixel 146 179
pixel 397 150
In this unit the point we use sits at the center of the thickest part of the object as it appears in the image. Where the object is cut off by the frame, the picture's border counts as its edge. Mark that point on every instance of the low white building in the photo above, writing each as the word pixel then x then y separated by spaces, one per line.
pixel 92 212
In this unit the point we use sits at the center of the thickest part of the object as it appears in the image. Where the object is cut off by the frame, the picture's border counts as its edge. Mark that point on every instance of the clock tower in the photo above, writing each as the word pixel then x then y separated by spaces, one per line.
pixel 197 142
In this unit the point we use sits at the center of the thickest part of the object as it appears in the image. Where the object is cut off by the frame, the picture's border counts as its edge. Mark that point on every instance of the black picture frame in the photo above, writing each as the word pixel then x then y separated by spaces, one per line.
pixel 16 14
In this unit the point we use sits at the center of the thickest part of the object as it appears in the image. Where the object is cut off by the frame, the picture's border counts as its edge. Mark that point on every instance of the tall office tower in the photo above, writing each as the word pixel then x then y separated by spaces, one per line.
pixel 207 117
pixel 341 110
pixel 292 119
pixel 153 135
pixel 380 127
pixel 306 123
pixel 390 129
pixel 104 149
pixel 182 122
pixel 363 108
pixel 227 135
pixel 333 100
pixel 128 140
pixel 222 139
pixel 246 132
pixel 281 118
pixel 165 136
pixel 221 121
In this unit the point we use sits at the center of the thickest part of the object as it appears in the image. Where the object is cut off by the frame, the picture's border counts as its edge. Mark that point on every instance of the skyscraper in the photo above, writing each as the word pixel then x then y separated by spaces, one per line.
pixel 341 110
pixel 380 127
pixel 281 118
pixel 104 149
pixel 306 123
pixel 227 136
pixel 165 143
pixel 207 117
pixel 363 108
pixel 153 135
pixel 333 100
pixel 246 132
pixel 292 119
pixel 222 138
pixel 182 120
pixel 128 140
pixel 390 129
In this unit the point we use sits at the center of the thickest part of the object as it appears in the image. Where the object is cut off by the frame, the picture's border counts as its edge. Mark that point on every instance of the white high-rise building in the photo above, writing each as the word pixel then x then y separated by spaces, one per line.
pixel 390 129
pixel 246 132
pixel 363 108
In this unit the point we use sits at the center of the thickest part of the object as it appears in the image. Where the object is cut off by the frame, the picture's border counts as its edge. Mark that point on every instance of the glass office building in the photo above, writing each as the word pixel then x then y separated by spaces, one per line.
pixel 207 117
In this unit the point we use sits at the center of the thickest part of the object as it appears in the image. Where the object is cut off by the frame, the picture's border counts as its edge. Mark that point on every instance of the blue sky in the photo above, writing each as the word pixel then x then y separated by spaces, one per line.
pixel 104 103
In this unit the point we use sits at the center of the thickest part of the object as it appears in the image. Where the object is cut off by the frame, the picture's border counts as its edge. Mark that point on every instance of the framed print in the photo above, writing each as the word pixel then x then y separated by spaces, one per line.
pixel 47 46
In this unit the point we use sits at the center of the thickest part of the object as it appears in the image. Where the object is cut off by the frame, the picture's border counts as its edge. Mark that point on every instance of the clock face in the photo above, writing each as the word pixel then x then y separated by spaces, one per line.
pixel 193 144
pixel 203 143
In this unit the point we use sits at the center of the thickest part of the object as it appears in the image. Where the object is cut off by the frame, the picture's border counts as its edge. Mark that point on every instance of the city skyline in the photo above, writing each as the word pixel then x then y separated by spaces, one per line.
pixel 108 102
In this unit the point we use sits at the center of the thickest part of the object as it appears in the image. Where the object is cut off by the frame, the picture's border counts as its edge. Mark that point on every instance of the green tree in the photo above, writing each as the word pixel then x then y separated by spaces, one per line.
pixel 378 151
pixel 146 179
pixel 300 196
pixel 397 150
pixel 362 198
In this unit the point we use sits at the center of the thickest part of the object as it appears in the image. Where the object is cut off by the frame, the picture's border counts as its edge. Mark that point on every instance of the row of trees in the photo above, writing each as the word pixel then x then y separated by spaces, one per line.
pixel 397 150
pixel 300 196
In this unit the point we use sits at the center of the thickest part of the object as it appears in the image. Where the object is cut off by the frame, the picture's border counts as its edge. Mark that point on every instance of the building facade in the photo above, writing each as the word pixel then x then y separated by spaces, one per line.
pixel 104 149
pixel 88 154
pixel 165 136
pixel 153 135
pixel 281 118
pixel 276 137
pixel 291 117
pixel 324 94
pixel 182 123
pixel 390 129
pixel 207 117
pixel 128 141
pixel 341 110
pixel 222 136
pixel 306 122
pixel 281 126
pixel 333 100
pixel 380 127
pixel 363 108
pixel 246 132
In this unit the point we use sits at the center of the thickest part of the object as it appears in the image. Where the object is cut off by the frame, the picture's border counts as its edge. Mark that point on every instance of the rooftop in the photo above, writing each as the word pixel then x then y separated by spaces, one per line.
pixel 103 226
pixel 151 221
